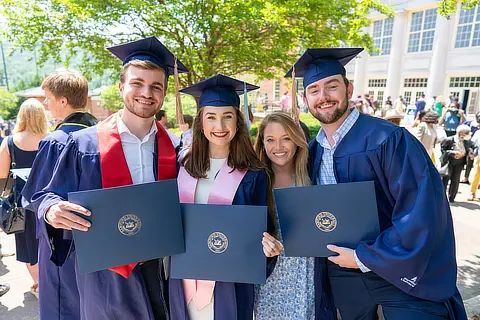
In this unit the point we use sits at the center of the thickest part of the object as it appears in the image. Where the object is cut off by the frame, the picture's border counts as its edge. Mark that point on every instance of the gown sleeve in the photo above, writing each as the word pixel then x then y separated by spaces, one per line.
pixel 42 171
pixel 419 245
pixel 59 178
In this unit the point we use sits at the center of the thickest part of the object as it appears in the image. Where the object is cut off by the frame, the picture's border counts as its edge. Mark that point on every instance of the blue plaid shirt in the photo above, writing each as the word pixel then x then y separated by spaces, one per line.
pixel 326 174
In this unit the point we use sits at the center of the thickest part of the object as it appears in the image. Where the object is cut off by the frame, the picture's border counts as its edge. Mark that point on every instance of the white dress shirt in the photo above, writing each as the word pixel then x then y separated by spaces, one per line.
pixel 138 153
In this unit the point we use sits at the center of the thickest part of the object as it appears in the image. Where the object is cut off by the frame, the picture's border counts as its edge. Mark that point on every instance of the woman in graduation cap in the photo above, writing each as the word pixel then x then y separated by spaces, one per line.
pixel 221 154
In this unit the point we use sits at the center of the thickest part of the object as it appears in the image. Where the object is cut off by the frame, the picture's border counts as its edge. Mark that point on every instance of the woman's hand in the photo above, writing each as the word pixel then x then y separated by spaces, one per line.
pixel 271 246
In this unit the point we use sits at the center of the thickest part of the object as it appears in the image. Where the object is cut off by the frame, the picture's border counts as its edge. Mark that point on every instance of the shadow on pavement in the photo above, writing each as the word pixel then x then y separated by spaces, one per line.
pixel 468 278
pixel 467 205
pixel 28 311
pixel 3 268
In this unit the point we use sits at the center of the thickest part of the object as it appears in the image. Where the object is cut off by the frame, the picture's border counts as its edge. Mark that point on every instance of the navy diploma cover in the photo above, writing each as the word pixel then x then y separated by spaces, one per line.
pixel 130 224
pixel 223 243
pixel 312 217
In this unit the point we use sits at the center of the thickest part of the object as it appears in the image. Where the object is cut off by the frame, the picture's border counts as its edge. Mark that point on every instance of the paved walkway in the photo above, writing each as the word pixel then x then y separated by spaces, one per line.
pixel 20 304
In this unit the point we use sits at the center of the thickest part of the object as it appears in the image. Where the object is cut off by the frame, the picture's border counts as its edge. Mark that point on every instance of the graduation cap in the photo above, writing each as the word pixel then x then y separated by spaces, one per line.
pixel 221 91
pixel 148 49
pixel 151 49
pixel 320 63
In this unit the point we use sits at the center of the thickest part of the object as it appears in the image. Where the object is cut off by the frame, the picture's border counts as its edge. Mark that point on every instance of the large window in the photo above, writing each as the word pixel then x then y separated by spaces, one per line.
pixel 461 82
pixel 382 36
pixel 468 32
pixel 415 82
pixel 277 90
pixel 422 30
pixel 377 83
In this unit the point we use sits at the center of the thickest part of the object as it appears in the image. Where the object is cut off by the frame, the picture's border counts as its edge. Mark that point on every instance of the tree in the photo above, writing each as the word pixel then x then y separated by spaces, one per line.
pixel 260 37
pixel 8 104
pixel 448 7
pixel 111 99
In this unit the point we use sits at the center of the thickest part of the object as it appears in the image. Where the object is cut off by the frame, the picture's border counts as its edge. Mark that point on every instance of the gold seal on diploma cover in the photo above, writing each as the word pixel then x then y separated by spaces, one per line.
pixel 326 221
pixel 129 225
pixel 217 242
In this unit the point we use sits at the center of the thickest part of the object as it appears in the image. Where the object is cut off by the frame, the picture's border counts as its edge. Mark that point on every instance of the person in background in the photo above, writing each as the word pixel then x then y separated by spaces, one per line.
pixel 455 150
pixel 289 292
pixel 420 105
pixel 161 117
pixel 285 102
pixel 31 127
pixel 359 105
pixel 426 132
pixel 368 108
pixel 439 105
pixel 459 105
pixel 66 97
pixel 419 118
pixel 476 166
pixel 366 98
pixel 389 103
pixel 393 117
pixel 473 124
pixel 186 127
pixel 399 105
pixel 452 118
pixel 430 103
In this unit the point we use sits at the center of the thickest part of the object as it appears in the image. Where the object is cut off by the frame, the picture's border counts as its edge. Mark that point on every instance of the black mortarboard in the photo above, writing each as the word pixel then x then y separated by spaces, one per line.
pixel 149 49
pixel 219 91
pixel 319 63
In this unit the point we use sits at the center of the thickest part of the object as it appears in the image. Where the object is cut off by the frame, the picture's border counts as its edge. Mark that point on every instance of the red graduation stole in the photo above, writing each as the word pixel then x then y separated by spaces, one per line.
pixel 114 168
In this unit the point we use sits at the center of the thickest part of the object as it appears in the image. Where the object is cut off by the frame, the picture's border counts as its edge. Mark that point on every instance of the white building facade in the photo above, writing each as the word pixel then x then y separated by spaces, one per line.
pixel 422 52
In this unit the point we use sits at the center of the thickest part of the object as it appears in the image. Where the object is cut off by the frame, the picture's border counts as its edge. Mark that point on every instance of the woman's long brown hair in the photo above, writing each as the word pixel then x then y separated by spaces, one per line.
pixel 241 156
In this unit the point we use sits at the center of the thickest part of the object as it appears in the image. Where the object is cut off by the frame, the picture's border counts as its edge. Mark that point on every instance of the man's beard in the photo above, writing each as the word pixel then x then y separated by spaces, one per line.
pixel 141 112
pixel 326 118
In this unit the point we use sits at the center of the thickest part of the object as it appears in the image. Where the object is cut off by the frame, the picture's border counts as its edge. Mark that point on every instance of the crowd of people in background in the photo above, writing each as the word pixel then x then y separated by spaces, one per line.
pixel 437 121
pixel 281 150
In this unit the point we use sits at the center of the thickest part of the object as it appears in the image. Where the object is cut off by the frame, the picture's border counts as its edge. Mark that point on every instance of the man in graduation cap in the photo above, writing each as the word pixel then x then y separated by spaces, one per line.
pixel 128 147
pixel 66 94
pixel 410 269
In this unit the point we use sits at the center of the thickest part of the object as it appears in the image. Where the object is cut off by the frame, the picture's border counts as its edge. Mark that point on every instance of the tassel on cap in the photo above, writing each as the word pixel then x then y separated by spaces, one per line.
pixel 295 115
pixel 178 101
pixel 245 105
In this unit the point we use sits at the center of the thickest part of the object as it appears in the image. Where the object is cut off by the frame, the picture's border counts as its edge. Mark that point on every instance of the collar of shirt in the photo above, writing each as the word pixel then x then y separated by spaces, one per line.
pixel 341 131
pixel 125 132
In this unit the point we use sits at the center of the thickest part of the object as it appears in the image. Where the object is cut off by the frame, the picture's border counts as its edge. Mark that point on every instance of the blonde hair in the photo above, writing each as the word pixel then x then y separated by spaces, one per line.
pixel 69 84
pixel 32 118
pixel 298 137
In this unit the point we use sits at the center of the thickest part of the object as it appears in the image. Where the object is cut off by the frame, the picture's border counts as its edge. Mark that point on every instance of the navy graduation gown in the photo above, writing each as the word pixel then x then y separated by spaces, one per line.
pixel 104 294
pixel 58 297
pixel 232 301
pixel 417 240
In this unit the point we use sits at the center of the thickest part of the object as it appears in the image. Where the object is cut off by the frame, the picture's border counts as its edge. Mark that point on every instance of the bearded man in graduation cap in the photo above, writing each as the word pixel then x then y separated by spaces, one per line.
pixel 410 268
pixel 128 147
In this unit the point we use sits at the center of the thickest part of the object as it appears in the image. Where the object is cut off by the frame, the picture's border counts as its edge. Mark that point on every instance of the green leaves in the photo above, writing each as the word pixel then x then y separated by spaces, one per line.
pixel 111 99
pixel 8 104
pixel 260 37
pixel 448 7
